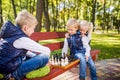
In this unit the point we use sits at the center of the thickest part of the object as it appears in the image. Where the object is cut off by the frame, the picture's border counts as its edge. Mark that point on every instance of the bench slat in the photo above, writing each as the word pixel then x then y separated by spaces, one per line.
pixel 37 36
pixel 55 46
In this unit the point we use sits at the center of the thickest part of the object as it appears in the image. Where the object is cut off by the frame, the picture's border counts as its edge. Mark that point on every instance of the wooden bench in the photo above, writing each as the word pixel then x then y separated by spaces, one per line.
pixel 38 36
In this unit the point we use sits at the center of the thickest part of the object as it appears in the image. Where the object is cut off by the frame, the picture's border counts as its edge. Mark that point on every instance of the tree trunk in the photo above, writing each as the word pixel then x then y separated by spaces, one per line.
pixel 56 17
pixel 118 26
pixel 64 15
pixel 33 8
pixel 118 22
pixel 27 4
pixel 39 11
pixel 53 12
pixel 68 11
pixel 76 3
pixel 104 17
pixel 14 8
pixel 47 20
pixel 1 19
pixel 93 11
pixel 20 4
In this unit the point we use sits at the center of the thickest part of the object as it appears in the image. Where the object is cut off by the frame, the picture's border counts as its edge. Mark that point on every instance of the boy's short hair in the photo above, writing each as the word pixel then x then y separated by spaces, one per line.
pixel 25 18
pixel 73 23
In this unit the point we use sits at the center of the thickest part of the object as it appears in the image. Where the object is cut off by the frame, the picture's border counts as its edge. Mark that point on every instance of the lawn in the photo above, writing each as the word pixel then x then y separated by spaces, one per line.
pixel 108 43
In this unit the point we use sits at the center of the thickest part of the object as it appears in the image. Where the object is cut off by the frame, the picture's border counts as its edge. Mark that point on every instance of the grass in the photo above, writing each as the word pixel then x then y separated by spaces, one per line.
pixel 108 43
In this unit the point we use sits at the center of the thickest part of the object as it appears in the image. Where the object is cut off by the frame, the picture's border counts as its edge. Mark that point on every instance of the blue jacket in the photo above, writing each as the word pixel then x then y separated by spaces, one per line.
pixel 75 44
pixel 10 57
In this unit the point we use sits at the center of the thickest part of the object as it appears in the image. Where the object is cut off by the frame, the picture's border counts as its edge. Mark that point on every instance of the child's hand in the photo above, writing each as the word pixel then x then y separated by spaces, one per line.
pixel 67 35
pixel 49 64
pixel 86 58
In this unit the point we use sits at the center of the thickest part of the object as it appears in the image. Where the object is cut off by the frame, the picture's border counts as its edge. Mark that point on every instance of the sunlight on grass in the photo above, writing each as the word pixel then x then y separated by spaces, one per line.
pixel 109 44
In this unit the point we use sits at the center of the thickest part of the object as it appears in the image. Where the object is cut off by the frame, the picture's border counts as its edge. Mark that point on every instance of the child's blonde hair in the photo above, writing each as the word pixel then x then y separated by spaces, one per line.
pixel 25 18
pixel 73 23
pixel 88 26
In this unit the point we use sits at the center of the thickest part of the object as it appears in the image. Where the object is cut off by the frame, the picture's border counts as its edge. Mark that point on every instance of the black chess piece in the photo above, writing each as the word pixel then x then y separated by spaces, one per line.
pixel 71 58
pixel 60 59
pixel 57 57
pixel 54 58
pixel 64 56
pixel 51 58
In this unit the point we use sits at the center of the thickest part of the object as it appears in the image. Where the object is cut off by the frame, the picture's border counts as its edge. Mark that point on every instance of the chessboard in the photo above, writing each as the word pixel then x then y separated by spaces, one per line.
pixel 62 62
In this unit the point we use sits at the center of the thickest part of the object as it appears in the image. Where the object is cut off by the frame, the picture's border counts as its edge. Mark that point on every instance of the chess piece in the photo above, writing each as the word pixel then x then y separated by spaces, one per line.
pixel 63 62
pixel 52 60
pixel 60 60
pixel 71 58
pixel 57 59
pixel 64 56
pixel 66 61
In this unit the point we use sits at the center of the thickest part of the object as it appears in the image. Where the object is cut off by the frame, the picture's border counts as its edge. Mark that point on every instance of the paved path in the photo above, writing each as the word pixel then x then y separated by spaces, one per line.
pixel 106 70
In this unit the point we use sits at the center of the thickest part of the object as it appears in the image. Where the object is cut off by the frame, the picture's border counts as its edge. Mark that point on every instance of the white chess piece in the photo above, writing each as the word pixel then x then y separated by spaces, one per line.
pixel 55 62
pixel 62 62
pixel 66 60
pixel 51 60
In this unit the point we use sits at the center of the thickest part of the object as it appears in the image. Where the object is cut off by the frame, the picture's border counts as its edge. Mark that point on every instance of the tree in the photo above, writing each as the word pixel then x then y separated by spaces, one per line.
pixel 104 16
pixel 53 14
pixel 42 7
pixel 47 20
pixel 93 13
pixel 14 9
pixel 39 11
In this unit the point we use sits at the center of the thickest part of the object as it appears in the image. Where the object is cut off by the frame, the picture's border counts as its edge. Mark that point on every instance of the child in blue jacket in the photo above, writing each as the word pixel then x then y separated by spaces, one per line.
pixel 16 44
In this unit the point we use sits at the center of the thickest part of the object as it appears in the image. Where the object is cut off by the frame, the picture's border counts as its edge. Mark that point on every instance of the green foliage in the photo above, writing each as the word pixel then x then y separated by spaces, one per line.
pixel 7 10
pixel 61 10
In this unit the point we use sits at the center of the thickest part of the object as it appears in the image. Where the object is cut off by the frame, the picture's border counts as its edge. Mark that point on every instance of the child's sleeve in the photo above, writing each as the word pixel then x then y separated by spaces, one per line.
pixel 86 45
pixel 29 44
pixel 65 47
pixel 30 54
pixel 89 37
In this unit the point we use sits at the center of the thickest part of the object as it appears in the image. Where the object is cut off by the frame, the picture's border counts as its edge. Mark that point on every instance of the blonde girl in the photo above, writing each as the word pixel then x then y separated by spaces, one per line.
pixel 86 28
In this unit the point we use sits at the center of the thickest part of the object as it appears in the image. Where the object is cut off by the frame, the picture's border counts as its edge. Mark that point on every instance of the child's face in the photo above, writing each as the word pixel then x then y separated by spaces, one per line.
pixel 28 30
pixel 72 30
pixel 83 29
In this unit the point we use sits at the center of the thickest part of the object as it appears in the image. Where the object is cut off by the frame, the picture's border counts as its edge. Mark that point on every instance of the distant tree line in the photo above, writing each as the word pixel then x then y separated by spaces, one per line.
pixel 52 15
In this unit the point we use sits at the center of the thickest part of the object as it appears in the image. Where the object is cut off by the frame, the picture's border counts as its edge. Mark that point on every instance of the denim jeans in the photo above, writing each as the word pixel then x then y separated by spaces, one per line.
pixel 82 66
pixel 29 65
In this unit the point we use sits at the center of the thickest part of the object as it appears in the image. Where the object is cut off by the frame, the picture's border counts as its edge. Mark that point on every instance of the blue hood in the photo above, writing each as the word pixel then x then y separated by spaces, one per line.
pixel 7 30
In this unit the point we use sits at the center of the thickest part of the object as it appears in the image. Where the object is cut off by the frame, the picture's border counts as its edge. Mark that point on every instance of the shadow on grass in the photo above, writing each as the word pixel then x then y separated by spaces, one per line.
pixel 109 45
pixel 107 52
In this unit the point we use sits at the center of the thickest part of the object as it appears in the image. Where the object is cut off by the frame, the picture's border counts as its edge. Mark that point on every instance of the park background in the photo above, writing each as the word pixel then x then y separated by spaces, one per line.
pixel 52 15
